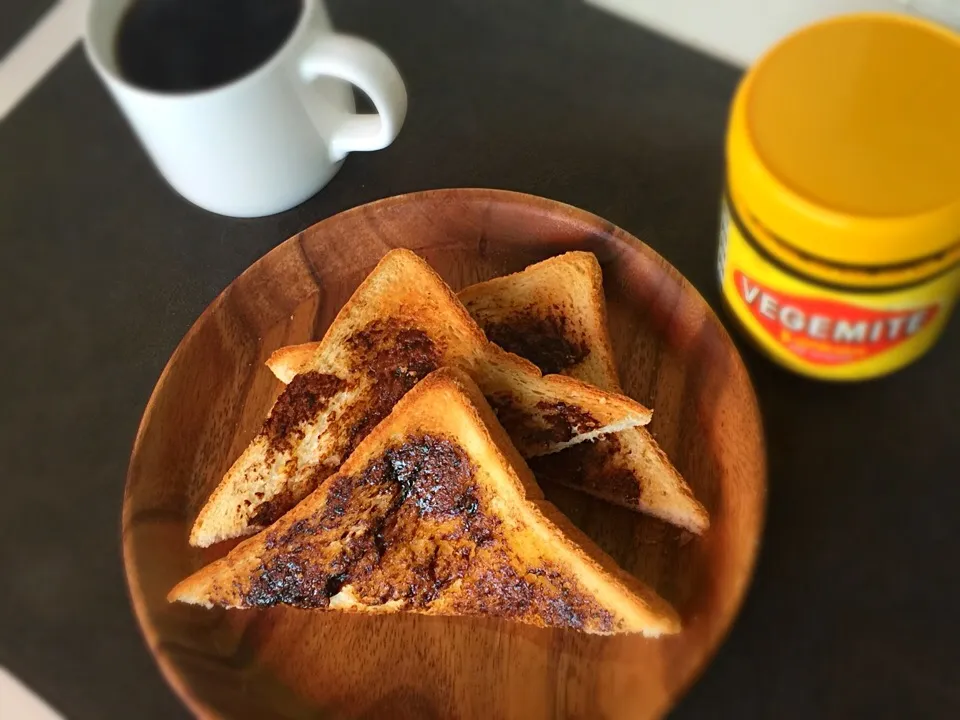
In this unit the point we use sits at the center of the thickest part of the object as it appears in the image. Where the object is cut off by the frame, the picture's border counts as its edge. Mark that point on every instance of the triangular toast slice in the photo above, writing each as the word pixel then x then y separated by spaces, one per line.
pixel 402 323
pixel 554 314
pixel 436 513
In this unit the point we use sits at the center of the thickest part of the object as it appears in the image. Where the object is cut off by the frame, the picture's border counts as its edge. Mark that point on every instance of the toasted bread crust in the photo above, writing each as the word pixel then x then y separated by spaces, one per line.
pixel 287 361
pixel 576 541
pixel 402 323
pixel 560 303
pixel 520 566
pixel 563 295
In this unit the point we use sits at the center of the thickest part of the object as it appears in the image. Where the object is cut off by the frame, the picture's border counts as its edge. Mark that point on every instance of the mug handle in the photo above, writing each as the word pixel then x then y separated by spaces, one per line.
pixel 363 64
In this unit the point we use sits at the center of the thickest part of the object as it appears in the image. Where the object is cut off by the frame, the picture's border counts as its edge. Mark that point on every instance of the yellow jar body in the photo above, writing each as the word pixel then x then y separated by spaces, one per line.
pixel 823 330
pixel 840 241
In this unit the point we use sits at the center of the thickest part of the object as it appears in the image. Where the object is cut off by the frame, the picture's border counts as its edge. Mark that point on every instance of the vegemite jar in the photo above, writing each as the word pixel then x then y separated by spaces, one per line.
pixel 840 226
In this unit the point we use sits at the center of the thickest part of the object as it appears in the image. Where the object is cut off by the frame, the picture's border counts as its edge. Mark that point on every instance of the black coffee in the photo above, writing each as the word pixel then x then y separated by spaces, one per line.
pixel 185 45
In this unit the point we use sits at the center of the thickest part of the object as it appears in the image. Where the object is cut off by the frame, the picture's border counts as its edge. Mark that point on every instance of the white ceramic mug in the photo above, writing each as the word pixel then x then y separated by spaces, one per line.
pixel 270 139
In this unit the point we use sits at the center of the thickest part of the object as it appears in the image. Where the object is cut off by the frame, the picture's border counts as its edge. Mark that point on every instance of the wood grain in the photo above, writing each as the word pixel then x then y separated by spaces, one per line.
pixel 673 355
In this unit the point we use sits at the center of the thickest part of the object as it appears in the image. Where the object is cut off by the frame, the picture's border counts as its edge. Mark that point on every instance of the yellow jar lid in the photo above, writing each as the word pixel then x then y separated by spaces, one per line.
pixel 844 141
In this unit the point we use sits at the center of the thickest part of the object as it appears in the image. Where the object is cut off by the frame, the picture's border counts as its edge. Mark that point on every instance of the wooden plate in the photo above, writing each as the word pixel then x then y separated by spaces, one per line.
pixel 673 354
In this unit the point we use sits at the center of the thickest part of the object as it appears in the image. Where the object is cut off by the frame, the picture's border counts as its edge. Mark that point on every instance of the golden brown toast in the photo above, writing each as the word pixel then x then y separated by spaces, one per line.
pixel 401 323
pixel 554 314
pixel 434 513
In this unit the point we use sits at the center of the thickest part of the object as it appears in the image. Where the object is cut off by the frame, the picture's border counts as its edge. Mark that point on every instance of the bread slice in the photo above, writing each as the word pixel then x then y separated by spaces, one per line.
pixel 554 314
pixel 402 323
pixel 434 513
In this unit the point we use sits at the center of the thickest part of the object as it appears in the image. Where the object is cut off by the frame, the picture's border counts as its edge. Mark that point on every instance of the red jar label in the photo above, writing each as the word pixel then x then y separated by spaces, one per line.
pixel 827 332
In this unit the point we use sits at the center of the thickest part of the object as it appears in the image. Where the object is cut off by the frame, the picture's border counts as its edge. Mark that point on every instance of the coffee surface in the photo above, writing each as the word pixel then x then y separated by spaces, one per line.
pixel 190 45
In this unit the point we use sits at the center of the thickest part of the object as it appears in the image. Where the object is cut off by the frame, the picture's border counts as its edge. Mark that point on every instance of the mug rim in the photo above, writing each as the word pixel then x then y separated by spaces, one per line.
pixel 96 54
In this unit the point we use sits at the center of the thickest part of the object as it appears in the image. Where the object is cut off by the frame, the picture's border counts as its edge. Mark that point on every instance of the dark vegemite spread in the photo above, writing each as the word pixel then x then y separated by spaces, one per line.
pixel 544 340
pixel 414 526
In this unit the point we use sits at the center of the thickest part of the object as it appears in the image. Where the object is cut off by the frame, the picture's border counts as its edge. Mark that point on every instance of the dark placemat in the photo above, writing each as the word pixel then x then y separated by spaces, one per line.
pixel 852 610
